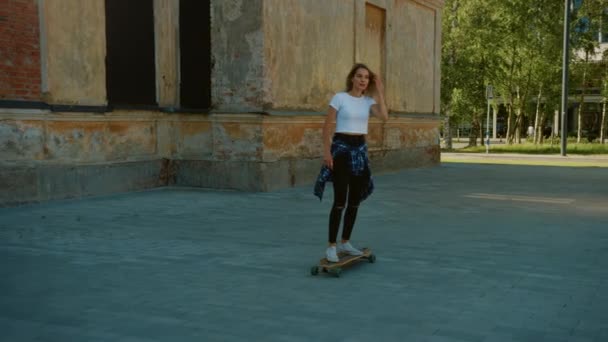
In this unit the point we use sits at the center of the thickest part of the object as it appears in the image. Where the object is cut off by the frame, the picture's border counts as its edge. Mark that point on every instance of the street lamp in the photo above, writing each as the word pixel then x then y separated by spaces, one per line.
pixel 489 96
pixel 564 137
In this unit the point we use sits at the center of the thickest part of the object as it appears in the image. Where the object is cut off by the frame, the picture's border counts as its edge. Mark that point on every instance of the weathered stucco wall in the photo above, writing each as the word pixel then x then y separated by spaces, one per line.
pixel 74 154
pixel 288 137
pixel 414 57
pixel 309 48
pixel 372 21
pixel 323 39
pixel 43 136
pixel 136 135
pixel 237 41
pixel 282 57
pixel 79 137
pixel 73 54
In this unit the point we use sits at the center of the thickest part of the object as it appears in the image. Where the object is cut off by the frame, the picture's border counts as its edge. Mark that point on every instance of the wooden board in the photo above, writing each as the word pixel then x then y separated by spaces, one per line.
pixel 345 259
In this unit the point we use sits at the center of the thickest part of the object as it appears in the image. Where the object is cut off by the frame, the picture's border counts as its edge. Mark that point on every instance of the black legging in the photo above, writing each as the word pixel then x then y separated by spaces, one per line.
pixel 344 183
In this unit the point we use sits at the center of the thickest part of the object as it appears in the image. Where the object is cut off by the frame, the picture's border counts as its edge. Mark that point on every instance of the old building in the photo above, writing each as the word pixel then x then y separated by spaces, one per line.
pixel 102 96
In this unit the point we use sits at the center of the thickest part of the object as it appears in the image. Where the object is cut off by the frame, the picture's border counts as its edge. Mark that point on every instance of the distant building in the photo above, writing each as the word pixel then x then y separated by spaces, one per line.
pixel 105 96
pixel 592 108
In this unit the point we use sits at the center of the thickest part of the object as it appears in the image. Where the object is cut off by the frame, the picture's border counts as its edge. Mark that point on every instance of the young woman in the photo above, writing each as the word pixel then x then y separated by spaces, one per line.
pixel 345 155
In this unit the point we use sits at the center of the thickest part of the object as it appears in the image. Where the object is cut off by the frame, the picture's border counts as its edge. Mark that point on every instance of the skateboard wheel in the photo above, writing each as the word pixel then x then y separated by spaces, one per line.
pixel 372 258
pixel 314 270
pixel 337 272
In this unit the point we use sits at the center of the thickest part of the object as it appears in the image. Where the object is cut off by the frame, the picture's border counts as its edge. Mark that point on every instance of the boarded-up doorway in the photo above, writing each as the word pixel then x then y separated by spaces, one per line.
pixel 373 53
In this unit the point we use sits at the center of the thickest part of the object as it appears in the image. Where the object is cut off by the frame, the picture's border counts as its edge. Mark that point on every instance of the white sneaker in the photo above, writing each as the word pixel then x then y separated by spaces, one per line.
pixel 331 254
pixel 349 249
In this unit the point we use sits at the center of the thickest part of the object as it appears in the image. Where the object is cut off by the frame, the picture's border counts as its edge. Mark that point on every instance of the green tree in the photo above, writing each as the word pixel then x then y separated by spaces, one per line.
pixel 530 56
pixel 468 52
pixel 546 51
pixel 513 45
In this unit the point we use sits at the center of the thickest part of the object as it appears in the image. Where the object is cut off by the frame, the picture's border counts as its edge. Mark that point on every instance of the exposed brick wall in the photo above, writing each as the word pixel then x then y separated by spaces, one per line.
pixel 19 50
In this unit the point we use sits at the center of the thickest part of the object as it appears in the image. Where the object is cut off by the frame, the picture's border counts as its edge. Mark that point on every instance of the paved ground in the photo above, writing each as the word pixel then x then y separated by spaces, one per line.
pixel 465 253
pixel 600 160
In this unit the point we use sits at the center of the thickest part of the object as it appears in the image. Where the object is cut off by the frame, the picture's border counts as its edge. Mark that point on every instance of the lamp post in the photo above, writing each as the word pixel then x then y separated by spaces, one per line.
pixel 489 96
pixel 564 135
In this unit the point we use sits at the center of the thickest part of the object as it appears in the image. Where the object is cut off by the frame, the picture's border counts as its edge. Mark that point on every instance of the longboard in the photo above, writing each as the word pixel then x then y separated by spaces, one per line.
pixel 335 268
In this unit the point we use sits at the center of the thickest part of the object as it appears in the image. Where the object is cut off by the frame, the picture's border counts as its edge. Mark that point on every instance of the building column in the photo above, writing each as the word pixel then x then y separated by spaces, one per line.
pixel 166 32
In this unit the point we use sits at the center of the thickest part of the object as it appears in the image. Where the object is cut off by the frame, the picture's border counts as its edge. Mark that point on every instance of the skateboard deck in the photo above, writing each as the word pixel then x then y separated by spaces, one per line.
pixel 335 268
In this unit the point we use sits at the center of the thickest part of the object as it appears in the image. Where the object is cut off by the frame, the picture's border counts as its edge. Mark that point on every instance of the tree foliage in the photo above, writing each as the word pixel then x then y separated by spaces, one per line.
pixel 515 46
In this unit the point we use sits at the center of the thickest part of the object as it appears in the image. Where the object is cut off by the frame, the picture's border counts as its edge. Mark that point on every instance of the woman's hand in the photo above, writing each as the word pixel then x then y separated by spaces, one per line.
pixel 328 129
pixel 328 160
pixel 379 85
pixel 379 109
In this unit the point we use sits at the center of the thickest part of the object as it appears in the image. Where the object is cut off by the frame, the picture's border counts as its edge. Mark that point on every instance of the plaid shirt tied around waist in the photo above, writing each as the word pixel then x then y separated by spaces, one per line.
pixel 358 162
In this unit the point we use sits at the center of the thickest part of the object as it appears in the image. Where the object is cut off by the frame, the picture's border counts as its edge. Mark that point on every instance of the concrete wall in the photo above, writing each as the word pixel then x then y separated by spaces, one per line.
pixel 310 46
pixel 238 53
pixel 413 86
pixel 284 58
pixel 309 49
pixel 57 137
pixel 324 38
pixel 238 151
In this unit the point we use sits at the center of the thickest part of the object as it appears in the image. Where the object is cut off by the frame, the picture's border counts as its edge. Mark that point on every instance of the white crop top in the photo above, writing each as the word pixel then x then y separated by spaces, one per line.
pixel 352 112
